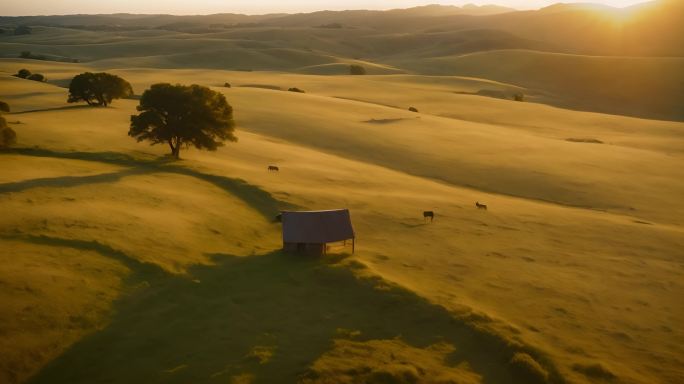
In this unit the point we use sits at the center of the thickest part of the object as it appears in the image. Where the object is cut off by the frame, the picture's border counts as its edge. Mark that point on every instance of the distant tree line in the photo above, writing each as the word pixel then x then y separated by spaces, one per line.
pixel 33 56
pixel 331 26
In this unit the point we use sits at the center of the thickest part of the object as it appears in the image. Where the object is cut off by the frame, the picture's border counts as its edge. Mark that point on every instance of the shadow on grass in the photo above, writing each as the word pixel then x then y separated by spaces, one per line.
pixel 269 317
pixel 66 107
pixel 257 198
pixel 140 269
pixel 70 181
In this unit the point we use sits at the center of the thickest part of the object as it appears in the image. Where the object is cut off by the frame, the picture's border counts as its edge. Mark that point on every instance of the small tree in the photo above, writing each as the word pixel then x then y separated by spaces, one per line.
pixel 519 97
pixel 22 74
pixel 98 89
pixel 25 54
pixel 413 109
pixel 7 135
pixel 182 116
pixel 357 70
pixel 37 77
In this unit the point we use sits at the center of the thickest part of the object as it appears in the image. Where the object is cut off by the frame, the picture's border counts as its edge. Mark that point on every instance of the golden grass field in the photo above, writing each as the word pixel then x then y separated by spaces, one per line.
pixel 119 265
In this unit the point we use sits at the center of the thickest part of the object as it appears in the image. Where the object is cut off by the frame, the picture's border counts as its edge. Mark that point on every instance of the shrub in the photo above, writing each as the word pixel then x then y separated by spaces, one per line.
pixel 4 107
pixel 296 90
pixel 25 54
pixel 526 369
pixel 519 97
pixel 227 85
pixel 37 77
pixel 357 70
pixel 413 109
pixel 23 73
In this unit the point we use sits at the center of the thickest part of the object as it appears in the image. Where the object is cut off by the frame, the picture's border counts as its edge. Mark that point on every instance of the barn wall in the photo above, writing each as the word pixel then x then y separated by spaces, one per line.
pixel 307 249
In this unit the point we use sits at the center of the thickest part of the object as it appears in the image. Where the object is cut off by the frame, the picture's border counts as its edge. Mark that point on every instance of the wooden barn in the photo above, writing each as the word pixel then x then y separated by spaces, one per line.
pixel 310 232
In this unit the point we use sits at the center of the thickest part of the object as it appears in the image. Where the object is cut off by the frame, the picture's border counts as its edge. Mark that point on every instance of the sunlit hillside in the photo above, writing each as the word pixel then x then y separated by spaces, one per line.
pixel 120 264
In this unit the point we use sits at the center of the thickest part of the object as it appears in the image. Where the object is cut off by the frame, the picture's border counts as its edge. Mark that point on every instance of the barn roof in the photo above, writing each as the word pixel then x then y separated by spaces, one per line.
pixel 317 227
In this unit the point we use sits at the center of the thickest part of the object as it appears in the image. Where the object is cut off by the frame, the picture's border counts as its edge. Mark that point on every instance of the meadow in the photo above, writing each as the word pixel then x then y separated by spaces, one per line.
pixel 119 264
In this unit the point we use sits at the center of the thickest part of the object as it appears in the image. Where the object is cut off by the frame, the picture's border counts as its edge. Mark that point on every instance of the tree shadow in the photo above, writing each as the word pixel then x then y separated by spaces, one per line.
pixel 115 158
pixel 217 322
pixel 141 270
pixel 260 200
pixel 66 107
pixel 70 181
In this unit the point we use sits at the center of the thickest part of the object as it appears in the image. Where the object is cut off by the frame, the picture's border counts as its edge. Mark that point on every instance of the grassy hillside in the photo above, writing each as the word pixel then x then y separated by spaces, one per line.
pixel 573 274
pixel 646 87
pixel 636 86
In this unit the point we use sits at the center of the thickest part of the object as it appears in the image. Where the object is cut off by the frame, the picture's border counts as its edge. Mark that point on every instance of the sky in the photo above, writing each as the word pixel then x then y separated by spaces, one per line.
pixel 193 7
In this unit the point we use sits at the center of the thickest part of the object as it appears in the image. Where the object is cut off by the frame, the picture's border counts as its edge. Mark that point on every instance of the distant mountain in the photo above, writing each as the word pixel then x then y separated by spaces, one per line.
pixel 649 29
pixel 443 10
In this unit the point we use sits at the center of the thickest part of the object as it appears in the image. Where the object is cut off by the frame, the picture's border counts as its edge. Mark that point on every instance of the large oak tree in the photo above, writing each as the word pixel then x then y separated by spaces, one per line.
pixel 98 89
pixel 181 116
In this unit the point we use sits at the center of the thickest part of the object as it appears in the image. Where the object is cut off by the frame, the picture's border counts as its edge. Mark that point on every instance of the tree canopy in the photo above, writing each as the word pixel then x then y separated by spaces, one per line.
pixel 37 77
pixel 181 116
pixel 23 73
pixel 98 89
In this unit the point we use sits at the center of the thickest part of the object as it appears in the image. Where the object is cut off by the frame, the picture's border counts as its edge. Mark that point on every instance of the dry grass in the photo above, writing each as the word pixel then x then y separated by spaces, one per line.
pixel 535 274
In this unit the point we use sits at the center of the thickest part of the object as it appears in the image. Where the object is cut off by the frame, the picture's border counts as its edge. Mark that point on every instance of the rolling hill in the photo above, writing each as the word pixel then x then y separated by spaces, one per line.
pixel 521 278
pixel 119 264
pixel 619 61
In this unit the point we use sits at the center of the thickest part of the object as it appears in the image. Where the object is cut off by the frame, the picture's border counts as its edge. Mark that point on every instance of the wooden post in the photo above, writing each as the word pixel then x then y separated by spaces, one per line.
pixel 353 244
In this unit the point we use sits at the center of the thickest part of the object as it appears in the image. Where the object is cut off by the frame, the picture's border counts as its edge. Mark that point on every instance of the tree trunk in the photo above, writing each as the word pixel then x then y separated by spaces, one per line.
pixel 175 149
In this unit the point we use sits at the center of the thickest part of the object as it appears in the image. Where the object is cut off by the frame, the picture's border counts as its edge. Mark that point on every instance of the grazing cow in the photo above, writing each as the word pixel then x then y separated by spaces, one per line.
pixel 481 206
pixel 430 215
pixel 273 168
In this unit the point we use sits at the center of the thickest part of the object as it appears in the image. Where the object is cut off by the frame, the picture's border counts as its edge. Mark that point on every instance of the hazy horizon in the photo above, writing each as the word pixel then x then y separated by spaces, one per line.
pixel 201 7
